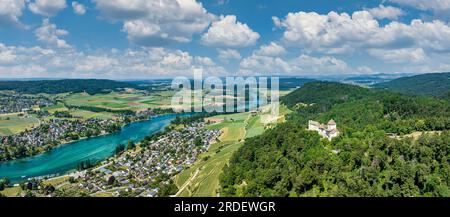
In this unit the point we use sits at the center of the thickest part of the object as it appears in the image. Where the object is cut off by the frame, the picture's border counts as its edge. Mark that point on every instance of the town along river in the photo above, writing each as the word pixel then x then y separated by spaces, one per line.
pixel 66 158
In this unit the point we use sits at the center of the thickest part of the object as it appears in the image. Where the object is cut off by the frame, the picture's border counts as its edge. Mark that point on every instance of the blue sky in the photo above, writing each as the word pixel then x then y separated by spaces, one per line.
pixel 167 38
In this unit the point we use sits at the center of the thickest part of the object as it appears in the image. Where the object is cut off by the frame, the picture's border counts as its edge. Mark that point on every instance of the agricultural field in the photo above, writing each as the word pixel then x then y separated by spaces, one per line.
pixel 83 114
pixel 56 181
pixel 103 194
pixel 55 108
pixel 11 192
pixel 254 126
pixel 120 101
pixel 16 190
pixel 76 113
pixel 15 123
pixel 232 126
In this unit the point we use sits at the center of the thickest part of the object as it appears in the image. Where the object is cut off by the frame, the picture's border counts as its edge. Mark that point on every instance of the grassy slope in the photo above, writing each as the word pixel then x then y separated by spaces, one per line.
pixel 206 180
pixel 203 176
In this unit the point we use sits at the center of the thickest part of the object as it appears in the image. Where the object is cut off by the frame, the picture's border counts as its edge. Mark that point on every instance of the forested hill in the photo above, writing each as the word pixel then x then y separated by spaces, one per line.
pixel 434 84
pixel 371 157
pixel 358 107
pixel 324 94
pixel 91 86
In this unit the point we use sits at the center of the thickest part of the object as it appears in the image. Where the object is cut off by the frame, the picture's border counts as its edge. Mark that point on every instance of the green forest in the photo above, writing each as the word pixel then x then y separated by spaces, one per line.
pixel 433 84
pixel 91 86
pixel 390 145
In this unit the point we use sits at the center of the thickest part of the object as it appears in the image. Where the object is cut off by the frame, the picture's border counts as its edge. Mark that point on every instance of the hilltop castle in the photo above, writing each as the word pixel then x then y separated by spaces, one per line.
pixel 328 131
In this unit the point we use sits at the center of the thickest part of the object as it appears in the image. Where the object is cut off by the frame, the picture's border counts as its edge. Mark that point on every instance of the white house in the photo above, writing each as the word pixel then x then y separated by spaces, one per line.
pixel 328 131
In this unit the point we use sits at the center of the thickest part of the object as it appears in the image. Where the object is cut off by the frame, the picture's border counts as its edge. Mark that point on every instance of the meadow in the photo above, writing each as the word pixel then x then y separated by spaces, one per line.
pixel 59 107
pixel 121 101
pixel 15 123
pixel 76 113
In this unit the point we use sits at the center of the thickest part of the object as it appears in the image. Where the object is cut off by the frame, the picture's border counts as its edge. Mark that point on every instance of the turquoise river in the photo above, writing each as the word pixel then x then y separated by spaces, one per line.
pixel 65 158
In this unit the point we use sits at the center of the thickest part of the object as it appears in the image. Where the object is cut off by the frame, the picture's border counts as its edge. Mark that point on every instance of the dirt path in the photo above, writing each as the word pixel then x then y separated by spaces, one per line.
pixel 246 125
pixel 187 183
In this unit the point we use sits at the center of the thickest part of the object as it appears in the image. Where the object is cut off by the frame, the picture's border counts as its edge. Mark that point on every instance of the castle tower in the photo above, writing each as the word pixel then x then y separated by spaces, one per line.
pixel 331 125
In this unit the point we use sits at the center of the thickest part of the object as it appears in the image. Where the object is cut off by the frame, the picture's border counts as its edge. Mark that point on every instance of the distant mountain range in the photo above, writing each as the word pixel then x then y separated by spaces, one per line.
pixel 433 84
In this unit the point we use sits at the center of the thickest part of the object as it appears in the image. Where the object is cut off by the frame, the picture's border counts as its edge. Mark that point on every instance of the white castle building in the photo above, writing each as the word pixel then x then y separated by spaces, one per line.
pixel 328 131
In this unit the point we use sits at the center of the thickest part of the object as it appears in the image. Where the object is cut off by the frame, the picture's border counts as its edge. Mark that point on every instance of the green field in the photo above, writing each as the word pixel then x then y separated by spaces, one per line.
pixel 120 101
pixel 232 126
pixel 254 126
pixel 77 113
pixel 102 194
pixel 55 108
pixel 13 123
pixel 11 192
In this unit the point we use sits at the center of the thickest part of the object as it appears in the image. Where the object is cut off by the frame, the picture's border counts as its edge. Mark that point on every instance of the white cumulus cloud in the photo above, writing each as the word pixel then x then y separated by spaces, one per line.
pixel 141 63
pixel 265 65
pixel 10 11
pixel 205 61
pixel 301 65
pixel 344 33
pixel 332 32
pixel 228 54
pixel 157 22
pixel 272 49
pixel 48 8
pixel 6 55
pixel 78 8
pixel 50 34
pixel 228 32
pixel 440 9
pixel 436 5
pixel 404 55
pixel 386 12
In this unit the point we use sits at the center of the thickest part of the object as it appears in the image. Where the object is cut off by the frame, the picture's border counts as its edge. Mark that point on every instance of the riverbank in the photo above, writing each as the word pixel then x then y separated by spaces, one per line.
pixel 142 170
pixel 51 134
pixel 66 157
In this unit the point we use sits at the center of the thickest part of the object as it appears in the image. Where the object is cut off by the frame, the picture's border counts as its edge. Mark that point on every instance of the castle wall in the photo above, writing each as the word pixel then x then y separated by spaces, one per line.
pixel 328 131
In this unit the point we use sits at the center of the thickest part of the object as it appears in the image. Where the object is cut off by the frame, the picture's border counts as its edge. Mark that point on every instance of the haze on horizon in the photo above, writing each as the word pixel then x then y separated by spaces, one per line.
pixel 147 39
